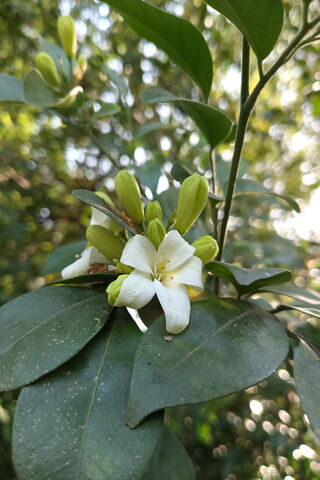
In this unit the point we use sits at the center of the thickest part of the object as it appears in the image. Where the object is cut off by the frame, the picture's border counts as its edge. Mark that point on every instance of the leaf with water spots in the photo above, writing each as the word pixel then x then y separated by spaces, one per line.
pixel 43 329
pixel 70 425
pixel 228 346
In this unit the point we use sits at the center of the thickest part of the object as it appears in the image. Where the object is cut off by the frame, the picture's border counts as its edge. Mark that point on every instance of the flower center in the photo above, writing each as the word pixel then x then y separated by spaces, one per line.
pixel 159 271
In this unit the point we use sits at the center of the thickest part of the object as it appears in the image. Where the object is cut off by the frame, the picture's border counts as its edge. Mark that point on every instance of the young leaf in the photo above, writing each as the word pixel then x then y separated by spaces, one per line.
pixel 214 125
pixel 307 377
pixel 62 256
pixel 248 279
pixel 171 461
pixel 11 88
pixel 70 425
pixel 58 55
pixel 36 92
pixel 229 346
pixel 93 200
pixel 177 37
pixel 261 24
pixel 43 329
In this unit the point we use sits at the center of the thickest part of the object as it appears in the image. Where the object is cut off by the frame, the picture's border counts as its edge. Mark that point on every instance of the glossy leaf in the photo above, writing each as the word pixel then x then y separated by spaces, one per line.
pixel 301 294
pixel 43 329
pixel 58 55
pixel 229 346
pixel 11 88
pixel 307 377
pixel 247 187
pixel 62 256
pixel 214 125
pixel 106 110
pixel 91 278
pixel 93 200
pixel 248 280
pixel 36 92
pixel 70 425
pixel 171 461
pixel 149 175
pixel 261 24
pixel 177 37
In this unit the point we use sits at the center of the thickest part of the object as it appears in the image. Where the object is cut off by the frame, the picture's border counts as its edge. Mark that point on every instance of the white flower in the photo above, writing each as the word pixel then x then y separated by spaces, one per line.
pixel 90 255
pixel 166 273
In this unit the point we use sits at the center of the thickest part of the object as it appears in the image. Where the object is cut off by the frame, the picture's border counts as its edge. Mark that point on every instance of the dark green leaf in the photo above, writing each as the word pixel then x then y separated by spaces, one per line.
pixel 106 110
pixel 229 346
pixel 177 37
pixel 151 127
pixel 171 461
pixel 92 199
pixel 301 294
pixel 307 377
pixel 11 88
pixel 58 55
pixel 43 329
pixel 92 278
pixel 247 187
pixel 70 425
pixel 248 279
pixel 261 24
pixel 62 256
pixel 117 80
pixel 214 125
pixel 149 175
pixel 36 92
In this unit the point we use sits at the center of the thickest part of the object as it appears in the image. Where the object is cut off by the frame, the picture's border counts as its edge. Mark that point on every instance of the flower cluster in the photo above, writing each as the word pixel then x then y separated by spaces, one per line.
pixel 157 261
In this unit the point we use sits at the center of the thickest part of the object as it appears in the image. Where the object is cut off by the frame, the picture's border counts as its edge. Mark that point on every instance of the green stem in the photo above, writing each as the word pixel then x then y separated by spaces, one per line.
pixel 245 113
pixel 245 67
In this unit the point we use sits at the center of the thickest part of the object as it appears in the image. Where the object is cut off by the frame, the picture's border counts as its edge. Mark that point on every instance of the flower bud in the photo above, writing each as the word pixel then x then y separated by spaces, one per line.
pixel 81 66
pixel 68 35
pixel 47 68
pixel 193 197
pixel 105 241
pixel 156 232
pixel 114 288
pixel 206 248
pixel 128 193
pixel 153 210
pixel 122 268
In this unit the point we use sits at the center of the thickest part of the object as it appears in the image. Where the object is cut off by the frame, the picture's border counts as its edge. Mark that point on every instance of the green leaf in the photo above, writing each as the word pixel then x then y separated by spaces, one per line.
pixel 152 127
pixel 70 425
pixel 261 25
pixel 301 294
pixel 171 461
pixel 11 88
pixel 229 346
pixel 58 55
pixel 63 256
pixel 177 37
pixel 149 175
pixel 248 279
pixel 36 92
pixel 117 80
pixel 92 278
pixel 307 377
pixel 106 110
pixel 214 125
pixel 247 187
pixel 180 172
pixel 92 199
pixel 43 329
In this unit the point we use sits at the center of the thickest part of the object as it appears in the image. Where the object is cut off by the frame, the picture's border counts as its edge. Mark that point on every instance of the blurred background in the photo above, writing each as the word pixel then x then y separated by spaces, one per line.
pixel 258 434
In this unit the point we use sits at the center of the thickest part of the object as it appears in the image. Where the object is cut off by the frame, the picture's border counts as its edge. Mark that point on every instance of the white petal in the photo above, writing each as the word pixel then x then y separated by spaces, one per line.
pixel 136 318
pixel 79 267
pixel 137 290
pixel 139 253
pixel 174 251
pixel 176 306
pixel 96 257
pixel 189 273
pixel 99 218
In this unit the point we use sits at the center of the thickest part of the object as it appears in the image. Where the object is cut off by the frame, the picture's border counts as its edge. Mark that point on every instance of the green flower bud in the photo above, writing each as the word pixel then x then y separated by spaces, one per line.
pixel 47 68
pixel 193 197
pixel 153 210
pixel 81 66
pixel 68 35
pixel 128 193
pixel 156 232
pixel 114 288
pixel 105 241
pixel 206 248
pixel 123 268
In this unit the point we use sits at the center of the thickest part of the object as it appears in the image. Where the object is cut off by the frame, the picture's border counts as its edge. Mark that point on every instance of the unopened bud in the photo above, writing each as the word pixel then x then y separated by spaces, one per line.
pixel 114 288
pixel 81 66
pixel 153 210
pixel 206 248
pixel 156 232
pixel 193 197
pixel 128 193
pixel 122 268
pixel 105 241
pixel 47 68
pixel 68 35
